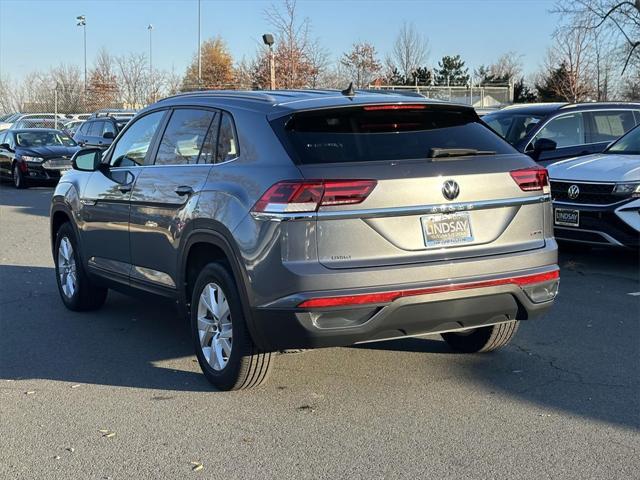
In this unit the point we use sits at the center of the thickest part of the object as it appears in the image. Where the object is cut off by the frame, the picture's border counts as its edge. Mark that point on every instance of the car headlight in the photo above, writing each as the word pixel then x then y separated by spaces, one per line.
pixel 632 189
pixel 29 159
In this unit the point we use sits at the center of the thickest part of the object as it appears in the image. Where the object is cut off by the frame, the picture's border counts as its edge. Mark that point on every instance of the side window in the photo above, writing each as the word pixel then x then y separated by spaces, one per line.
pixel 608 125
pixel 83 128
pixel 95 129
pixel 227 142
pixel 565 130
pixel 184 136
pixel 108 127
pixel 2 135
pixel 133 145
pixel 208 151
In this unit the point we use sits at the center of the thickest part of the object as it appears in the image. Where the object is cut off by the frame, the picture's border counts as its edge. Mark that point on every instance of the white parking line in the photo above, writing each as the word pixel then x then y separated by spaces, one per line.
pixel 634 294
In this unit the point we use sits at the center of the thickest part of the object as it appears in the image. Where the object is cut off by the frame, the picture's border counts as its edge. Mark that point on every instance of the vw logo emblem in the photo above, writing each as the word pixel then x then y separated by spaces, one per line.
pixel 573 192
pixel 450 189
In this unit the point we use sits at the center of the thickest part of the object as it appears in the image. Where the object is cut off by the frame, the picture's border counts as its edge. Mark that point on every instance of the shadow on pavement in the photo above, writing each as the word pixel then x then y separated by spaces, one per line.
pixel 32 201
pixel 123 344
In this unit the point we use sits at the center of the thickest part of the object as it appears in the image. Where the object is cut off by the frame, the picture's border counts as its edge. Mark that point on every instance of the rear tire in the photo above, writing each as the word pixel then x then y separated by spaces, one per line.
pixel 18 178
pixel 77 291
pixel 227 355
pixel 483 339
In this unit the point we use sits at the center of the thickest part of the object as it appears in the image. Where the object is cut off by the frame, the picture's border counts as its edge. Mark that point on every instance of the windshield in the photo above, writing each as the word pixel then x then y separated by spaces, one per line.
pixel 513 127
pixel 386 132
pixel 629 144
pixel 43 139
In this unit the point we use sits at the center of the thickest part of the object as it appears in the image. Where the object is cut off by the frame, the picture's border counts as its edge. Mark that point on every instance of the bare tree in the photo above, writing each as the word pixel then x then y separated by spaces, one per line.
pixel 619 18
pixel 361 64
pixel 292 49
pixel 68 83
pixel 569 66
pixel 133 77
pixel 410 51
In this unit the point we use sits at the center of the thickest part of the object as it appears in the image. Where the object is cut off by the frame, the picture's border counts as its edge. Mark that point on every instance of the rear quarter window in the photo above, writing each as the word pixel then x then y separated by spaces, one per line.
pixel 378 133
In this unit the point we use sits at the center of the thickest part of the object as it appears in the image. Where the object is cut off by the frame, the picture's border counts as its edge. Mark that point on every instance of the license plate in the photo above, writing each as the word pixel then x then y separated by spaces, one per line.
pixel 566 217
pixel 446 229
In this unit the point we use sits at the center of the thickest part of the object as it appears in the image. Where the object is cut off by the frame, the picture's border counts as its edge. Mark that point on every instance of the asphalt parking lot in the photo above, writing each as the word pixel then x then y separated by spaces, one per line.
pixel 562 401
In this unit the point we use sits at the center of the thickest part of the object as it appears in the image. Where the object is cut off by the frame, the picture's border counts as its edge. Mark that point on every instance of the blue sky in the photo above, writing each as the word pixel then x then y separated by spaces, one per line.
pixel 36 34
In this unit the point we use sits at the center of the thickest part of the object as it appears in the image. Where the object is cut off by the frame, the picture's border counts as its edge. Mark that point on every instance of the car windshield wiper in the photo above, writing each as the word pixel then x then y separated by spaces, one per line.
pixel 457 152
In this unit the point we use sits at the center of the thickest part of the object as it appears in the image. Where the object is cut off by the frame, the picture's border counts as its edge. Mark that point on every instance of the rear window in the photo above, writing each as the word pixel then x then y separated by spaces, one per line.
pixel 377 132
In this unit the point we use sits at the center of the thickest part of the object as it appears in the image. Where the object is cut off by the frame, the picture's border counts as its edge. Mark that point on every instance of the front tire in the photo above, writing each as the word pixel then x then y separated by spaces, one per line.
pixel 18 177
pixel 483 339
pixel 77 291
pixel 225 350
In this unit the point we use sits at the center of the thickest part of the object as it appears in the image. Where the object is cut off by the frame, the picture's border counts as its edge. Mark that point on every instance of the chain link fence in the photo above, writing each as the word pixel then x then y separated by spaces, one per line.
pixel 493 96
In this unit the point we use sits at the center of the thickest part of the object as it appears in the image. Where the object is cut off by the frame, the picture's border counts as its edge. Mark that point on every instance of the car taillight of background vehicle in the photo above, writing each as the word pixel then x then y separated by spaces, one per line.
pixel 294 196
pixel 532 179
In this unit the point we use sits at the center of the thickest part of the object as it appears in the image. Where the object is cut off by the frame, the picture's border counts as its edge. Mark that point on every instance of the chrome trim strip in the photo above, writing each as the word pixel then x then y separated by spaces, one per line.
pixel 563 204
pixel 403 211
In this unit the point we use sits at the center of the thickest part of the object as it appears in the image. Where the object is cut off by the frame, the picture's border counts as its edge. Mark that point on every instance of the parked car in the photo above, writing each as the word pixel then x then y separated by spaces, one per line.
pixel 7 119
pixel 596 198
pixel 99 131
pixel 35 122
pixel 305 219
pixel 35 155
pixel 549 132
pixel 71 127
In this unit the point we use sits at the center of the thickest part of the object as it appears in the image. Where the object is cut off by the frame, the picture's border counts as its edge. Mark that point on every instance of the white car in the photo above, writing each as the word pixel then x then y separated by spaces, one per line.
pixel 596 198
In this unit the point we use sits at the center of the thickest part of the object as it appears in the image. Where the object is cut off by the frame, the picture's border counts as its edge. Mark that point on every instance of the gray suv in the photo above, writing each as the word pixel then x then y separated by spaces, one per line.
pixel 292 220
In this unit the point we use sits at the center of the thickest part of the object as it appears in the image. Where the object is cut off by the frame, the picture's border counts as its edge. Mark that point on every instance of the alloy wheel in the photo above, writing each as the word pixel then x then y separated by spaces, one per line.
pixel 214 326
pixel 67 268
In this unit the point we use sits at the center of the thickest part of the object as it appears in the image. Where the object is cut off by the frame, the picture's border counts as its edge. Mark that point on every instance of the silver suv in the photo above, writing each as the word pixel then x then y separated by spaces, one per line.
pixel 291 220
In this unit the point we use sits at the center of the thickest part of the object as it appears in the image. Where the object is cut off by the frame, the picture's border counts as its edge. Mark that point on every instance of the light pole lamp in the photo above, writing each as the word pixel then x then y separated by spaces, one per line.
pixel 82 22
pixel 267 38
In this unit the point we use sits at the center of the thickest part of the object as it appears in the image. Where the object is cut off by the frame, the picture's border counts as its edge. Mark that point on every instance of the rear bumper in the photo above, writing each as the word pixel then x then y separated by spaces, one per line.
pixel 284 325
pixel 617 225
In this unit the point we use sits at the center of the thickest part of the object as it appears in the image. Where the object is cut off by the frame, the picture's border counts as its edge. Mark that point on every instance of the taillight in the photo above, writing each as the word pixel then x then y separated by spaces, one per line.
pixel 308 195
pixel 531 179
pixel 371 108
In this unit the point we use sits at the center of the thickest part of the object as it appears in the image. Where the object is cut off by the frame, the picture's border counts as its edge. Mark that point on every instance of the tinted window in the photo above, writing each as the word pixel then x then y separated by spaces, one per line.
pixel 108 127
pixel 208 151
pixel 565 130
pixel 606 126
pixel 132 147
pixel 361 134
pixel 82 130
pixel 43 139
pixel 512 128
pixel 183 137
pixel 629 144
pixel 227 143
pixel 95 129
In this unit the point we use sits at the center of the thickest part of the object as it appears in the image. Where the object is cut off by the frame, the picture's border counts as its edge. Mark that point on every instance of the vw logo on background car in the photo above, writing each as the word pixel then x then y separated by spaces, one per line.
pixel 573 192
pixel 450 189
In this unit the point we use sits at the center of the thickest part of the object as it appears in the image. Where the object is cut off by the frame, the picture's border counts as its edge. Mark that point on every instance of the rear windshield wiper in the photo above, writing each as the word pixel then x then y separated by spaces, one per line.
pixel 457 152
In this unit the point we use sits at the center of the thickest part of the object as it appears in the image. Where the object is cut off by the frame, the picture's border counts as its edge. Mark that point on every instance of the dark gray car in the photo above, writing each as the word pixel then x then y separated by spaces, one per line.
pixel 303 219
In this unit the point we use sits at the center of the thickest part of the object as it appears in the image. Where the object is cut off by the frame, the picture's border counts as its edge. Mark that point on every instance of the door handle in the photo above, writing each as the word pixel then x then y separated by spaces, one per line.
pixel 183 190
pixel 125 188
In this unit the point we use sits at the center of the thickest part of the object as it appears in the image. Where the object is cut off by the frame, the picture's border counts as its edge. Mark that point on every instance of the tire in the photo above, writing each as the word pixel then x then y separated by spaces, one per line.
pixel 225 350
pixel 18 178
pixel 81 294
pixel 483 339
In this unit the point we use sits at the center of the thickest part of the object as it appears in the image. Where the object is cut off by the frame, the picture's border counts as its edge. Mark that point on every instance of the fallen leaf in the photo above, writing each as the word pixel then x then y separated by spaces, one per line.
pixel 103 431
pixel 196 466
pixel 75 386
pixel 30 392
pixel 71 449
pixel 306 408
pixel 57 457
pixel 109 435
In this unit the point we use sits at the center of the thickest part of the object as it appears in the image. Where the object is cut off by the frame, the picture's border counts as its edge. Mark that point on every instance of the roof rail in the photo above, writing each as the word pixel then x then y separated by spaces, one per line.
pixel 242 94
pixel 611 103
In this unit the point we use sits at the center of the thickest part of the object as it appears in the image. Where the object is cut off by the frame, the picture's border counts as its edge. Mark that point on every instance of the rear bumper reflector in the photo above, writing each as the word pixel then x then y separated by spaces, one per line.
pixel 387 297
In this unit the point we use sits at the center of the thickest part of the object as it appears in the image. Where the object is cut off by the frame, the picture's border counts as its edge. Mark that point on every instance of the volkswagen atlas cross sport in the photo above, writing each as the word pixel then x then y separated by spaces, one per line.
pixel 291 220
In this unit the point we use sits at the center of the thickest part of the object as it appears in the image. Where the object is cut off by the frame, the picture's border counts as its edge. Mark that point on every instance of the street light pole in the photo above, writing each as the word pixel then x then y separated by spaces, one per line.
pixel 267 38
pixel 82 22
pixel 151 82
pixel 199 56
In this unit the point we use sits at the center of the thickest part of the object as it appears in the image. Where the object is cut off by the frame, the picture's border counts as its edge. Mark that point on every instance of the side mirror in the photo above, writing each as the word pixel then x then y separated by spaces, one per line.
pixel 544 145
pixel 87 159
pixel 110 135
pixel 5 146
